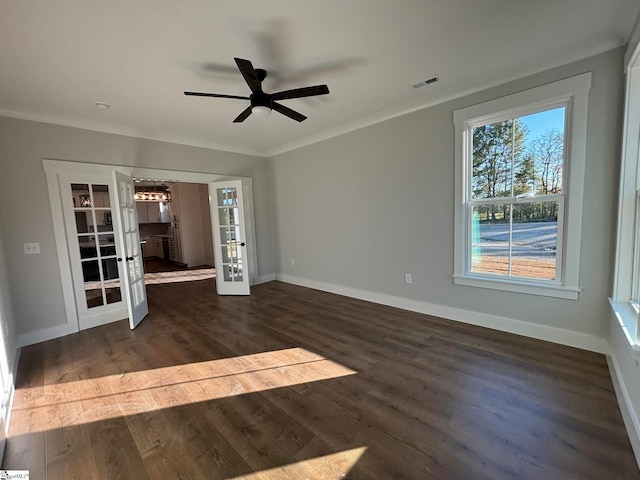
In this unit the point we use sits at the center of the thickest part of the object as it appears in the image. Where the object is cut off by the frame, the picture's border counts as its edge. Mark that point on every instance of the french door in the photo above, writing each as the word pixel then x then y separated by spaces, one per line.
pixel 93 249
pixel 104 248
pixel 132 259
pixel 229 245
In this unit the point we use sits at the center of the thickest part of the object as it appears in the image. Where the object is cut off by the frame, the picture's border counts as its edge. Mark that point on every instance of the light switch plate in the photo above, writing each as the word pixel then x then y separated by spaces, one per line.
pixel 30 248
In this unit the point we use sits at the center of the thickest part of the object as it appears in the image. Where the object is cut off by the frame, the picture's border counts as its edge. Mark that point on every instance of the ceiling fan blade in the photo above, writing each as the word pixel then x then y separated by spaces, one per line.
pixel 288 112
pixel 249 74
pixel 217 95
pixel 243 116
pixel 301 92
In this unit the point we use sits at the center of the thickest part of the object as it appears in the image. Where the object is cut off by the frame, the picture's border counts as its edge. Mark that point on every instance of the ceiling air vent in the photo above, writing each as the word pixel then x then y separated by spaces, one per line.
pixel 426 82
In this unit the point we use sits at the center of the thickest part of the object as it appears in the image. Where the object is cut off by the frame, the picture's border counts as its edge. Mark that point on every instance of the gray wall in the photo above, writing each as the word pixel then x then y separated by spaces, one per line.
pixel 25 214
pixel 358 210
pixel 362 209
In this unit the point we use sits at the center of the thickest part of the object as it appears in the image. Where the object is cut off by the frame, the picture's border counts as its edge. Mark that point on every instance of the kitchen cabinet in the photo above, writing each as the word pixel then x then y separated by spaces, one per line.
pixel 147 248
pixel 158 212
pixel 174 206
pixel 141 208
pixel 153 247
pixel 175 244
pixel 157 247
pixel 153 212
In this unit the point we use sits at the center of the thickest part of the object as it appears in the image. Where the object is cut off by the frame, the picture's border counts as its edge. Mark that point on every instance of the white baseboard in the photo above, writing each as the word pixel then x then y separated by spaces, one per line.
pixel 43 335
pixel 534 330
pixel 625 403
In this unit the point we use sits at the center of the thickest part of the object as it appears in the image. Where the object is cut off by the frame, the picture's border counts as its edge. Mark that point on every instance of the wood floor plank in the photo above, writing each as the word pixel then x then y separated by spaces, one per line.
pixel 66 432
pixel 25 447
pixel 293 382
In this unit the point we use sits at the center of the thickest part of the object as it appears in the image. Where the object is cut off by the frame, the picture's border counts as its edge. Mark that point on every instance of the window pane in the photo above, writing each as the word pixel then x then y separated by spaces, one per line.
pixel 84 222
pixel 541 167
pixel 104 219
pixel 238 271
pixel 93 293
pixel 524 155
pixel 494 148
pixel 78 189
pixel 107 245
pixel 534 243
pixel 101 196
pixel 110 269
pixel 90 271
pixel 227 271
pixel 518 240
pixel 490 240
pixel 87 246
pixel 113 293
pixel 227 197
pixel 224 216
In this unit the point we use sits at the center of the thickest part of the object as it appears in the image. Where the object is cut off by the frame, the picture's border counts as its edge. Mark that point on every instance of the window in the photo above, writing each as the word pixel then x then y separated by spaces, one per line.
pixel 634 299
pixel 625 300
pixel 520 170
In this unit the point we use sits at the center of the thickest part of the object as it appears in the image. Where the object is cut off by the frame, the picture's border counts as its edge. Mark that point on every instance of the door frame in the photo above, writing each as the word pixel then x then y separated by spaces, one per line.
pixel 54 168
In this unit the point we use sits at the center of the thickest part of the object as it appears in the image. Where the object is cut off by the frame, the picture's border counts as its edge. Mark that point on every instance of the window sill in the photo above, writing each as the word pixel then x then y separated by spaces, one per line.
pixel 628 320
pixel 531 288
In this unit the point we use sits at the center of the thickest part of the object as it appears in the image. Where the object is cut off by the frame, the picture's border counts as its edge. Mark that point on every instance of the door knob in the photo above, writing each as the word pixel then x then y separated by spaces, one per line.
pixel 129 259
pixel 242 244
pixel 119 259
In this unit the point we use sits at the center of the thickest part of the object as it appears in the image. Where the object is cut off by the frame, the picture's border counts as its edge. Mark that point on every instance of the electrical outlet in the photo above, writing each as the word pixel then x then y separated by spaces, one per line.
pixel 30 248
pixel 407 278
pixel 293 262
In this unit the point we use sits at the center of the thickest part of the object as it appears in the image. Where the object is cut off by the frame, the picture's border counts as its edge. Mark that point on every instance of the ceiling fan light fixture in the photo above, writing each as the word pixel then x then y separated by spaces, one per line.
pixel 261 111
pixel 262 103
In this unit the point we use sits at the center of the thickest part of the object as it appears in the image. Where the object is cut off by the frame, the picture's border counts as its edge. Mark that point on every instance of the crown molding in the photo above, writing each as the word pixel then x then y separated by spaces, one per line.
pixel 447 95
pixel 437 99
pixel 128 132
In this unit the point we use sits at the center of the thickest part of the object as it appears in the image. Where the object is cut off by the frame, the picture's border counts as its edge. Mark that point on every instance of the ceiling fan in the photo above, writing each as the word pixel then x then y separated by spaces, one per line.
pixel 262 103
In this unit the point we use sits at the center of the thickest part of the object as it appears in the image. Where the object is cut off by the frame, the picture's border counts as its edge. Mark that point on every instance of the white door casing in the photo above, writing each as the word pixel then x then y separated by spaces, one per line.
pixel 56 171
pixel 229 245
pixel 131 249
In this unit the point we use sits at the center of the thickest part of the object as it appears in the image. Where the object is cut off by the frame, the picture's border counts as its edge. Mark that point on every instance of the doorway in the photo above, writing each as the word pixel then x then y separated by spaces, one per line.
pixel 175 224
pixel 58 178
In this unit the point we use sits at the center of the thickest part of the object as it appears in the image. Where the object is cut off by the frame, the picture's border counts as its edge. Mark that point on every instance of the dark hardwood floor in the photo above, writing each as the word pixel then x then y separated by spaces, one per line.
pixel 300 384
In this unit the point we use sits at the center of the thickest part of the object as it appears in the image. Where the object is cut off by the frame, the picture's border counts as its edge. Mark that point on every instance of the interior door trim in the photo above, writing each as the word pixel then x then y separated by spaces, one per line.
pixel 54 167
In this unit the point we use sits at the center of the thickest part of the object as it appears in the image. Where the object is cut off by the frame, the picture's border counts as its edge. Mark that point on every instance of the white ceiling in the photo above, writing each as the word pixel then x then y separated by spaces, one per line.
pixel 58 58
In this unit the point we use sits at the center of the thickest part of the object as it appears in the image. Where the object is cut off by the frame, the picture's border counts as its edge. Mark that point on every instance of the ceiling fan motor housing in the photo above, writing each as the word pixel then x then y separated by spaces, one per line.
pixel 261 99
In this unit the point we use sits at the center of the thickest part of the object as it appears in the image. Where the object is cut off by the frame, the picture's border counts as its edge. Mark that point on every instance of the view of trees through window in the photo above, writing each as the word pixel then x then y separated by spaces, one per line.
pixel 517 193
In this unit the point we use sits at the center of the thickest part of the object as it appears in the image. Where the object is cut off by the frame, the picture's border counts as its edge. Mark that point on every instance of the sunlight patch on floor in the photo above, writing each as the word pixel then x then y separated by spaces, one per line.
pixel 179 276
pixel 328 467
pixel 73 403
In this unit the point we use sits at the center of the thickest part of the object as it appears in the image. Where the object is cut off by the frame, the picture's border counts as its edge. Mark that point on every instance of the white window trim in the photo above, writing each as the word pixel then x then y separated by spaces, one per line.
pixel 628 214
pixel 574 93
